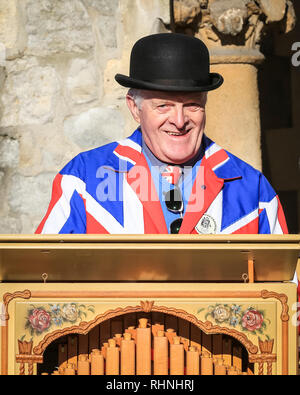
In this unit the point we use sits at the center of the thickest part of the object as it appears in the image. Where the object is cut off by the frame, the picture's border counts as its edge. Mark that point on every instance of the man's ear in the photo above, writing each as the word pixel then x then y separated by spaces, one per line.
pixel 204 99
pixel 204 121
pixel 133 108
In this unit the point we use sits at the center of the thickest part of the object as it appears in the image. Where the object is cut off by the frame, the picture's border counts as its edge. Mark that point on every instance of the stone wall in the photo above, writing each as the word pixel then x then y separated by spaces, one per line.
pixel 58 97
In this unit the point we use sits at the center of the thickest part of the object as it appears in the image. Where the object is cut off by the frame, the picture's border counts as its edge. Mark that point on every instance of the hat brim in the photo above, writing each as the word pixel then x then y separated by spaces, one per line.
pixel 216 80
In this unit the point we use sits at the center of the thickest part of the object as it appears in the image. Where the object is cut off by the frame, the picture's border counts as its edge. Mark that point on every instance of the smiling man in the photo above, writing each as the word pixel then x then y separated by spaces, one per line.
pixel 173 124
pixel 168 176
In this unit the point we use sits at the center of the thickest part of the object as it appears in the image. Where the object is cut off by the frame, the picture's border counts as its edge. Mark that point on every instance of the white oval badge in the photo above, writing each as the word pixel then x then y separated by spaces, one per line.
pixel 207 225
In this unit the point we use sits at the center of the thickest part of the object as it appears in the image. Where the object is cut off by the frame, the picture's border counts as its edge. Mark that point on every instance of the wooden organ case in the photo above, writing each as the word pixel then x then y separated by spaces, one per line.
pixel 148 305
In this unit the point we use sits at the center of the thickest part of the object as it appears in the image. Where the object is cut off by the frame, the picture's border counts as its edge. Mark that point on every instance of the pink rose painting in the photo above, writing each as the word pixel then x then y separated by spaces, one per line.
pixel 40 320
pixel 252 320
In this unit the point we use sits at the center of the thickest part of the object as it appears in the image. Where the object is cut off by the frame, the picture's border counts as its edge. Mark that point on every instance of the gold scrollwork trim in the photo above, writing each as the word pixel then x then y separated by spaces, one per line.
pixel 285 328
pixel 147 306
pixel 4 318
pixel 283 300
pixel 8 297
pixel 263 358
pixel 29 358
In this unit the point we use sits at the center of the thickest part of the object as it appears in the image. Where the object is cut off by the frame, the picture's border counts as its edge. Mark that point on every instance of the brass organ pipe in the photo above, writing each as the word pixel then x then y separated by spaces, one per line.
pixel 83 367
pixel 192 361
pixel 112 358
pixel 69 370
pixel 206 365
pixel 220 368
pixel 143 348
pixel 176 357
pixel 160 354
pixel 127 355
pixel 97 363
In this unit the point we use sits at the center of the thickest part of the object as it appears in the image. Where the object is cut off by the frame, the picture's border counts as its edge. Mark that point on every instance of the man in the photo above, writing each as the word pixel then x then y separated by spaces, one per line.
pixel 168 177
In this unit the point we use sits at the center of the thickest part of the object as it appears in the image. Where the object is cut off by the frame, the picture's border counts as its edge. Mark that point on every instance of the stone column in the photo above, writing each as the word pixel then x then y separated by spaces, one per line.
pixel 232 30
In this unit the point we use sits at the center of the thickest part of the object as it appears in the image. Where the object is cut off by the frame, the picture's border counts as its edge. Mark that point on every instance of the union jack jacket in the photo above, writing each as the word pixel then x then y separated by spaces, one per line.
pixel 110 190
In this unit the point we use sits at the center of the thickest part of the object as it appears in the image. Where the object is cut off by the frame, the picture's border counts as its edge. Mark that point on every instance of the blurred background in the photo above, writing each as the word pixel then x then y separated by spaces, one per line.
pixel 58 96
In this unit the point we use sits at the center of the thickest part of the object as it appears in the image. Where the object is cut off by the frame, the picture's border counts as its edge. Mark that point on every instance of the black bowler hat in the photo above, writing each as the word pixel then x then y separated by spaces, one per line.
pixel 170 62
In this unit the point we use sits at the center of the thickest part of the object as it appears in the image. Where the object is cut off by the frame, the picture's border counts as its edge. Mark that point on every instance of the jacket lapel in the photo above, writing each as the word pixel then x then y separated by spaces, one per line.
pixel 216 168
pixel 138 176
pixel 140 180
pixel 205 189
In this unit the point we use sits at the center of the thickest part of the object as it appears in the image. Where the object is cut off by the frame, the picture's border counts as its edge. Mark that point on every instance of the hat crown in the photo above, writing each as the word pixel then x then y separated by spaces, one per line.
pixel 170 56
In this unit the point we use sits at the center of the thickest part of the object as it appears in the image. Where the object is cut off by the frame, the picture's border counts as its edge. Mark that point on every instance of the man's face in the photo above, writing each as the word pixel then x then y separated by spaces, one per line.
pixel 172 123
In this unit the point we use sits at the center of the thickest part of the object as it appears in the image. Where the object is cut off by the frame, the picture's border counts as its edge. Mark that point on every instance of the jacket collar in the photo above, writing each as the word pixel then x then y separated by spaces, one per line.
pixel 220 161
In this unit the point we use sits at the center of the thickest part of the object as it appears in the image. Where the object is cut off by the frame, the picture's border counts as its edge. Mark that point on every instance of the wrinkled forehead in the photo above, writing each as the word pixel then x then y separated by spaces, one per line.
pixel 173 96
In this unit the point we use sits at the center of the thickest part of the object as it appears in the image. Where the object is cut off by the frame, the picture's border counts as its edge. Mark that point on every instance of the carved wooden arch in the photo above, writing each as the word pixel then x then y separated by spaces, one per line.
pixel 84 327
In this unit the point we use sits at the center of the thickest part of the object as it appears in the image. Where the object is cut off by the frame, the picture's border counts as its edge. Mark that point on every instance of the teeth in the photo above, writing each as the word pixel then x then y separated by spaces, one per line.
pixel 176 134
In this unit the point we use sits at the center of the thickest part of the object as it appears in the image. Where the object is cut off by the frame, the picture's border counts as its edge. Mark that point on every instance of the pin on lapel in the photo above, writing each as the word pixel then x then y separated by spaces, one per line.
pixel 207 225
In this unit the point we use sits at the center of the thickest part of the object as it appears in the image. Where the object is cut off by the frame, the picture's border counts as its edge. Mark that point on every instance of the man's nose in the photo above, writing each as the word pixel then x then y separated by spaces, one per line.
pixel 178 117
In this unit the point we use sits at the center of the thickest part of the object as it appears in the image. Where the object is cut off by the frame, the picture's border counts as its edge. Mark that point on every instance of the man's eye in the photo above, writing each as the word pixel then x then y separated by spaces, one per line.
pixel 193 105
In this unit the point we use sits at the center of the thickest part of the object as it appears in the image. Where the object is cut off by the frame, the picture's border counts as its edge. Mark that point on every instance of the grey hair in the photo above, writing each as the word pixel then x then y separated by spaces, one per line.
pixel 137 95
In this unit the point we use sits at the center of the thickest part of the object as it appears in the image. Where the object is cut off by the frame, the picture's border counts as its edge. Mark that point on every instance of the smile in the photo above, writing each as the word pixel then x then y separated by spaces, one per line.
pixel 177 133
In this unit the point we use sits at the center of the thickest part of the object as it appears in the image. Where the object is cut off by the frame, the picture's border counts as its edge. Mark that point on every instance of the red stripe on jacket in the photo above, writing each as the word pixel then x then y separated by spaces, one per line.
pixel 56 195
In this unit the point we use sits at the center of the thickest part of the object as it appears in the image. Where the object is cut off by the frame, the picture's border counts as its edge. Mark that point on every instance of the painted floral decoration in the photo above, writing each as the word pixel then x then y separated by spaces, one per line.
pixel 249 319
pixel 43 318
pixel 39 320
pixel 252 320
